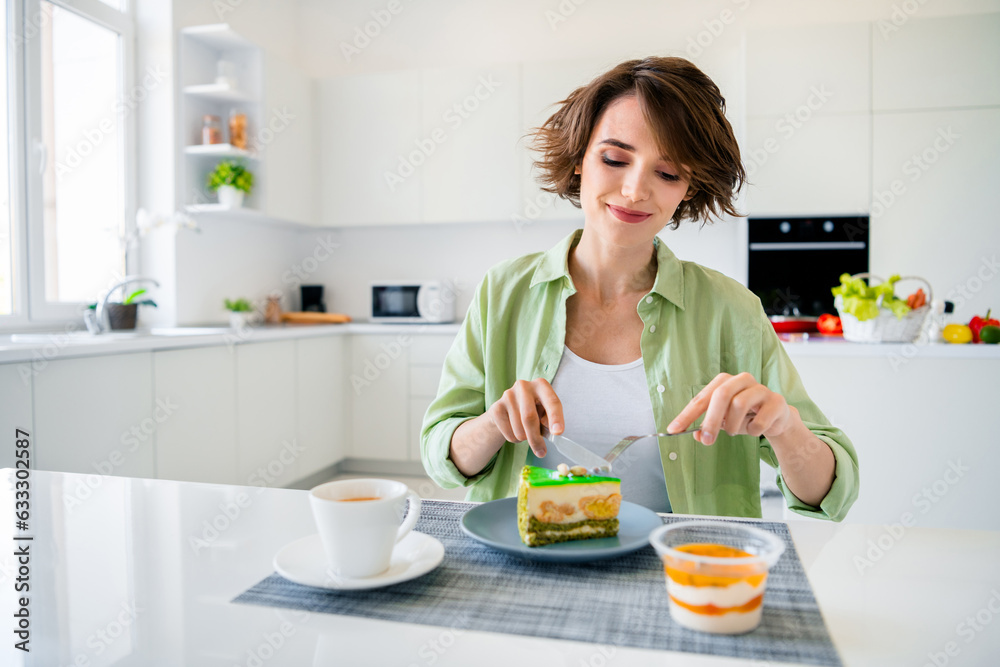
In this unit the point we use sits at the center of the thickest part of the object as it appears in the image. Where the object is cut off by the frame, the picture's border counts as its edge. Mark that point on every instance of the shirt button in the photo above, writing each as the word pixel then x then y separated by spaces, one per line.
pixel 652 328
pixel 660 388
pixel 649 299
pixel 673 456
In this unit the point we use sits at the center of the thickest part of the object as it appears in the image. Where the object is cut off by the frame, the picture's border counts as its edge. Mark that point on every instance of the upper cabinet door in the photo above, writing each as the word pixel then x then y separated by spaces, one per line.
pixel 286 140
pixel 937 63
pixel 370 133
pixel 466 153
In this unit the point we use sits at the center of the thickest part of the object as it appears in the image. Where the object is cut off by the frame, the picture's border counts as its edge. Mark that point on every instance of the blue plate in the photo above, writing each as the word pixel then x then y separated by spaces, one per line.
pixel 495 524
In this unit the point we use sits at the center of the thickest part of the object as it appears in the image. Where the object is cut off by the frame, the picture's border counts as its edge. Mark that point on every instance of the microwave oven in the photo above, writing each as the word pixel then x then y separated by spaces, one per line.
pixel 418 301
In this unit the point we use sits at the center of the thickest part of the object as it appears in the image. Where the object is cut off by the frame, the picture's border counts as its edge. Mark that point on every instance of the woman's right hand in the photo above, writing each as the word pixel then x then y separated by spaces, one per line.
pixel 522 409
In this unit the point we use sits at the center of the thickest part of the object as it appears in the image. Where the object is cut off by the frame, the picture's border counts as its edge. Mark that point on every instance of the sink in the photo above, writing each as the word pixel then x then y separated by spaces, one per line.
pixel 189 331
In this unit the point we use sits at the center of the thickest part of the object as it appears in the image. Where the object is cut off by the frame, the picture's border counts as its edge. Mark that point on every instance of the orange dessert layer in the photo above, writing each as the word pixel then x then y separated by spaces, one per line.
pixel 712 610
pixel 685 572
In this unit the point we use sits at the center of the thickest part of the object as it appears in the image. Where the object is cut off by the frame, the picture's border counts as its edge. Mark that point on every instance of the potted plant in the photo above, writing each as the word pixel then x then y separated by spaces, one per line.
pixel 122 316
pixel 240 312
pixel 232 181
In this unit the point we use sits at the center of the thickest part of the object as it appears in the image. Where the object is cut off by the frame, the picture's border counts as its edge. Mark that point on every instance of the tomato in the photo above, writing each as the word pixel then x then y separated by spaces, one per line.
pixel 829 324
pixel 957 333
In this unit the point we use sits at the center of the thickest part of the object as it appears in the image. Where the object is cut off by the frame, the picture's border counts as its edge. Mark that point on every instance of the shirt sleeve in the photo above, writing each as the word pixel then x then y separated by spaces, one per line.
pixel 460 397
pixel 779 375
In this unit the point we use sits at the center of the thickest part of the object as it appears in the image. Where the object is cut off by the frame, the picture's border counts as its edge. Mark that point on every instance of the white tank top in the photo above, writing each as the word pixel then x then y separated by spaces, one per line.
pixel 602 403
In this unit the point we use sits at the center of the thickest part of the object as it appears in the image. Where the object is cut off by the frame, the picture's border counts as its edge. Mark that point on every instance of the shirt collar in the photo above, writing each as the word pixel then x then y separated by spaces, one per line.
pixel 669 282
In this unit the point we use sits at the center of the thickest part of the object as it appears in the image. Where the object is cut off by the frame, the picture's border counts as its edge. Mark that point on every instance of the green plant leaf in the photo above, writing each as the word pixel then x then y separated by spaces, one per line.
pixel 131 297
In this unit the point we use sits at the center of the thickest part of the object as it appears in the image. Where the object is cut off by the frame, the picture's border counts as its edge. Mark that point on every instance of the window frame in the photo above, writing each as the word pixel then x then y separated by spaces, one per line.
pixel 14 9
pixel 31 276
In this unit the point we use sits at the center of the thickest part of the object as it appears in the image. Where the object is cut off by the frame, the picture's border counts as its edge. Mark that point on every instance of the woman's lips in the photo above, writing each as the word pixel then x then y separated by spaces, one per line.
pixel 627 214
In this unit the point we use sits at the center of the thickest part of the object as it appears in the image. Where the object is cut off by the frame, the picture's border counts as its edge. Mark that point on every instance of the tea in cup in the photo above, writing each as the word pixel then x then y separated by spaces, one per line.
pixel 359 523
pixel 716 573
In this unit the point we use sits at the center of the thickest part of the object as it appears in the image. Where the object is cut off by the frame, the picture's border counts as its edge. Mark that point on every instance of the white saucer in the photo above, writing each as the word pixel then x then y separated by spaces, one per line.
pixel 304 562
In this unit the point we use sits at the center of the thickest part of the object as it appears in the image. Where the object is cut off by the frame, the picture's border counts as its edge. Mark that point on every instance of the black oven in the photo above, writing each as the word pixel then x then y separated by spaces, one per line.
pixel 794 262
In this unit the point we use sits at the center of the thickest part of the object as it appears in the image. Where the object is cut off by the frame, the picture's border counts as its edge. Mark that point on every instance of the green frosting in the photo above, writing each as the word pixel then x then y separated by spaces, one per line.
pixel 536 476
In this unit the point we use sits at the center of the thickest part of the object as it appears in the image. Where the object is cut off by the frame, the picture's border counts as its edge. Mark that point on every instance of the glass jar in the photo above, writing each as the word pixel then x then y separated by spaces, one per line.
pixel 211 130
pixel 238 129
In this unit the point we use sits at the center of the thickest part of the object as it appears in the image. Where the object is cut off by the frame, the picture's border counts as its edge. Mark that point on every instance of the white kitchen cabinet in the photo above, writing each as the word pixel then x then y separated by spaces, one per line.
pixel 268 450
pixel 15 397
pixel 821 165
pixel 369 139
pixel 379 390
pixel 197 441
pixel 786 67
pixel 923 450
pixel 427 355
pixel 96 415
pixel 937 62
pixel 286 139
pixel 543 86
pixel 468 144
pixel 321 405
pixel 933 211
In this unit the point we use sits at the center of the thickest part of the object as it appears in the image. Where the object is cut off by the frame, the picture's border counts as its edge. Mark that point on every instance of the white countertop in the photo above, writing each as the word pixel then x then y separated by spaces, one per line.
pixel 52 345
pixel 120 556
pixel 80 344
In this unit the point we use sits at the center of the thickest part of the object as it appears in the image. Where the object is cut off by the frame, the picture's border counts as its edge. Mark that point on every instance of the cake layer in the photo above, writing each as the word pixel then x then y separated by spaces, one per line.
pixel 732 623
pixel 540 534
pixel 721 596
pixel 564 501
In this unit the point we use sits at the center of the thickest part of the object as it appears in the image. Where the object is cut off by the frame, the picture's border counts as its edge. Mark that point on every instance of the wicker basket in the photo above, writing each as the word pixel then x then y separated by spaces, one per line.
pixel 885 328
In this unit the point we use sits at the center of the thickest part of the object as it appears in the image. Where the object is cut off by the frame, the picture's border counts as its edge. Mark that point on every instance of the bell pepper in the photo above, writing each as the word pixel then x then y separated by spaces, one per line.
pixel 829 324
pixel 977 323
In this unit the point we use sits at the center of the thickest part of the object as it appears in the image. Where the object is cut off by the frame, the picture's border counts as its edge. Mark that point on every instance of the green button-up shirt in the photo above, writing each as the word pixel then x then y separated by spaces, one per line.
pixel 698 323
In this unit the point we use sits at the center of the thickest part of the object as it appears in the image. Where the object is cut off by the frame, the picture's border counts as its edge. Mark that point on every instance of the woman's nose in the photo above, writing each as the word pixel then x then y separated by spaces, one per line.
pixel 636 185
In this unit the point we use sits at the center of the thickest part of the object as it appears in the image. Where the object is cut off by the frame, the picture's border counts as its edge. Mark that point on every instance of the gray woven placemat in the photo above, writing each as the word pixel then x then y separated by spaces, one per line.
pixel 619 602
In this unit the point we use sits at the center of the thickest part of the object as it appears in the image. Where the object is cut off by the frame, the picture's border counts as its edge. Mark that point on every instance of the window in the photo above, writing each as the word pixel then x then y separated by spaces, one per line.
pixel 79 142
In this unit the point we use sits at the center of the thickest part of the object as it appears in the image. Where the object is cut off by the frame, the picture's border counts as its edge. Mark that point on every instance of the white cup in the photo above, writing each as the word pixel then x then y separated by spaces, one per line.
pixel 359 535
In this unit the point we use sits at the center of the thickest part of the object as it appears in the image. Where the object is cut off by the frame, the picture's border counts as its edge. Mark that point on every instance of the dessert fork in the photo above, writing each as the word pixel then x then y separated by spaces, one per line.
pixel 627 441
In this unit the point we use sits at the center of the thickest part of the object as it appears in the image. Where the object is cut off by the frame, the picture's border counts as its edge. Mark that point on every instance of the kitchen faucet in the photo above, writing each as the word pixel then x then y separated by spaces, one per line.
pixel 96 321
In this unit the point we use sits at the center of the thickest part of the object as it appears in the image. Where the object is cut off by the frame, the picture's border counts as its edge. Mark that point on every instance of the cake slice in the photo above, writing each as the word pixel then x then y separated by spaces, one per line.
pixel 558 505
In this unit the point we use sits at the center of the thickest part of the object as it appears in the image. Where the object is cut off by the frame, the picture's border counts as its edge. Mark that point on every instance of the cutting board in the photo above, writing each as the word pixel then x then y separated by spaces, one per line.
pixel 315 318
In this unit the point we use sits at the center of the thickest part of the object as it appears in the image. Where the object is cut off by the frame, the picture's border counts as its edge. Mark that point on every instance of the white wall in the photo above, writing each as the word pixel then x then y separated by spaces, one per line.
pixel 435 33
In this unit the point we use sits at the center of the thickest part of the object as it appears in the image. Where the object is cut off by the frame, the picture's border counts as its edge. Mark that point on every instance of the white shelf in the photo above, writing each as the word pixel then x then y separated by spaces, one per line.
pixel 219 209
pixel 219 150
pixel 218 92
pixel 218 36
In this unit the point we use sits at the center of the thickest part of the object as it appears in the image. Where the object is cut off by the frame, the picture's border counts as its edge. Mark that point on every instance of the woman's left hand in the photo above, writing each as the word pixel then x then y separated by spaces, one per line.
pixel 737 403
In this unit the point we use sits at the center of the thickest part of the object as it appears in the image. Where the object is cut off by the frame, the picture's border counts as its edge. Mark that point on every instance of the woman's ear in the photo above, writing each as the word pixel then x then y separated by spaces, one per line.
pixel 690 193
pixel 576 170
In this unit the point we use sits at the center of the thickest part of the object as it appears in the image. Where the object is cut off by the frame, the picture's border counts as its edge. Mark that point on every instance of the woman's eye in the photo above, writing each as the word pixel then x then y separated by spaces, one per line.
pixel 611 163
pixel 669 177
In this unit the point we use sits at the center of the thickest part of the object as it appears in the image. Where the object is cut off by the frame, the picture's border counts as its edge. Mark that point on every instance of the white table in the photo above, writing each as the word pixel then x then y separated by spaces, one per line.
pixel 140 572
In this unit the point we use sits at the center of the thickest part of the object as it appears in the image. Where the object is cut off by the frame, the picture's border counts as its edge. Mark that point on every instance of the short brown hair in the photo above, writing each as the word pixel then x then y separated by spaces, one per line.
pixel 684 110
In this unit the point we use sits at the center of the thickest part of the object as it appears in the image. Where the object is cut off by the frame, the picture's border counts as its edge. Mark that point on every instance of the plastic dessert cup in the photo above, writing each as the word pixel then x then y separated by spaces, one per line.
pixel 716 573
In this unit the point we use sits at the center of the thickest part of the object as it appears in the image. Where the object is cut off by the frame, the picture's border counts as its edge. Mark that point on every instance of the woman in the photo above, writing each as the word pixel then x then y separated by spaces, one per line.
pixel 608 334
